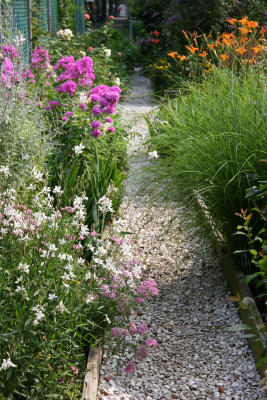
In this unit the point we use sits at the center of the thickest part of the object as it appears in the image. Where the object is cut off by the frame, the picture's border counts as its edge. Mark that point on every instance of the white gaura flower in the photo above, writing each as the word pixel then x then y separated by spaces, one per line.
pixel 89 298
pixel 7 363
pixel 52 296
pixel 153 154
pixel 24 267
pixel 4 169
pixel 82 53
pixel 57 190
pixel 105 204
pixel 61 307
pixel 107 319
pixel 79 149
pixel 107 52
pixel 38 176
pixel 117 81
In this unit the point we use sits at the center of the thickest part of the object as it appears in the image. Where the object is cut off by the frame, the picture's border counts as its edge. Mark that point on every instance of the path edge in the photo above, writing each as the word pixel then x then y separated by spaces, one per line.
pixel 90 385
pixel 250 316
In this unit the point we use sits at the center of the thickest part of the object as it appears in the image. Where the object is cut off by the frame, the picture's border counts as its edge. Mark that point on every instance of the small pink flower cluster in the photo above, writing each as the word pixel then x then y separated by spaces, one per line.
pixel 9 51
pixel 9 75
pixel 106 97
pixel 148 288
pixel 40 58
pixel 78 73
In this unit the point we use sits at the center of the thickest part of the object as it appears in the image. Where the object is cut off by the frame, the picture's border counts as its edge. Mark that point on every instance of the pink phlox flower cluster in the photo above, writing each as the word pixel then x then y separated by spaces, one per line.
pixel 106 292
pixel 40 58
pixel 52 104
pixel 130 367
pixel 151 342
pixel 68 209
pixel 106 97
pixel 78 73
pixel 141 353
pixel 134 330
pixel 119 332
pixel 9 51
pixel 27 74
pixel 119 281
pixel 148 288
pixel 9 75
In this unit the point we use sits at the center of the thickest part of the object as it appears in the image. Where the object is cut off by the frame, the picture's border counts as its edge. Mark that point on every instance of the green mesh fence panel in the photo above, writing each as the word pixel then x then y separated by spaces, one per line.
pixel 79 18
pixel 43 15
pixel 20 16
pixel 54 17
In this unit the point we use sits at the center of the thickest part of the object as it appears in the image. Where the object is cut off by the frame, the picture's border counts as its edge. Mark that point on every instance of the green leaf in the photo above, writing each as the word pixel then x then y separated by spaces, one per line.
pixel 240 327
pixel 253 252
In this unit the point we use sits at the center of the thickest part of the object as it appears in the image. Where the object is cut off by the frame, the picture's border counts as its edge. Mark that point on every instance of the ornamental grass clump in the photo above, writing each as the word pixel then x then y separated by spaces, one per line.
pixel 209 141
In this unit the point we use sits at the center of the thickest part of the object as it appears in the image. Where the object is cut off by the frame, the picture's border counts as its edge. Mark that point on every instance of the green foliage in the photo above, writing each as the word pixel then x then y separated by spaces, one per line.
pixel 209 140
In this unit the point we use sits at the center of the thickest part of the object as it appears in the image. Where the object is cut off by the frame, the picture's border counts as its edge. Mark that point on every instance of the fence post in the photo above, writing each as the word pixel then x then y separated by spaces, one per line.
pixel 49 22
pixel 29 20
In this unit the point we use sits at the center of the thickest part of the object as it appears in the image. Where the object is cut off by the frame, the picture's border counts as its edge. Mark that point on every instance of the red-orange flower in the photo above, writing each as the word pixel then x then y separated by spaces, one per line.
pixel 173 54
pixel 156 33
pixel 86 16
pixel 192 49
pixel 203 54
pixel 156 41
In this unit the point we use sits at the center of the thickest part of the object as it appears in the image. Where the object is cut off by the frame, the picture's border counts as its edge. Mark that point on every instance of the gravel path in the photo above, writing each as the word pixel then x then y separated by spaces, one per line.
pixel 196 357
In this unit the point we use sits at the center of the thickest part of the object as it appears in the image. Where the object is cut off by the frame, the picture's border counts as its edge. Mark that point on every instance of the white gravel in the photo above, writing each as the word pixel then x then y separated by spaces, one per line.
pixel 196 357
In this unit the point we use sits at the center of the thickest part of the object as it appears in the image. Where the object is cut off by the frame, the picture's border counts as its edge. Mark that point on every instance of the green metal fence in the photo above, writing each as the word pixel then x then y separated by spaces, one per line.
pixel 20 17
pixel 48 10
pixel 79 18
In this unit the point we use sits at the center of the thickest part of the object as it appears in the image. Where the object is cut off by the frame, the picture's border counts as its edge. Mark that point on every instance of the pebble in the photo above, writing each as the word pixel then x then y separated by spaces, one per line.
pixel 196 357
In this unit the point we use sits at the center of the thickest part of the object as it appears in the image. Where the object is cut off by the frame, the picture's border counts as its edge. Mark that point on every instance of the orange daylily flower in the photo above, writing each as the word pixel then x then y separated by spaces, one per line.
pixel 258 48
pixel 224 57
pixel 231 21
pixel 182 58
pixel 192 49
pixel 244 31
pixel 203 54
pixel 211 46
pixel 243 21
pixel 185 34
pixel 172 54
pixel 252 24
pixel 240 50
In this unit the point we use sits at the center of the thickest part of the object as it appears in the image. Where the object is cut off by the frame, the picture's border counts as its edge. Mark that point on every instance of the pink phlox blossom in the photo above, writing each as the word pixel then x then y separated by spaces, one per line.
pixel 139 300
pixel 9 51
pixel 83 106
pixel 151 342
pixel 96 133
pixel 40 58
pixel 111 129
pixel 78 72
pixel 148 288
pixel 141 329
pixel 141 353
pixel 133 328
pixel 67 87
pixel 130 367
pixel 52 104
pixel 119 332
pixel 74 370
pixel 9 75
pixel 27 74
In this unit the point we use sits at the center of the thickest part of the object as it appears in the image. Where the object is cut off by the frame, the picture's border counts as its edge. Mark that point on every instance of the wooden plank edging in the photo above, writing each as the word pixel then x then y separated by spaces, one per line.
pixel 90 385
pixel 250 316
